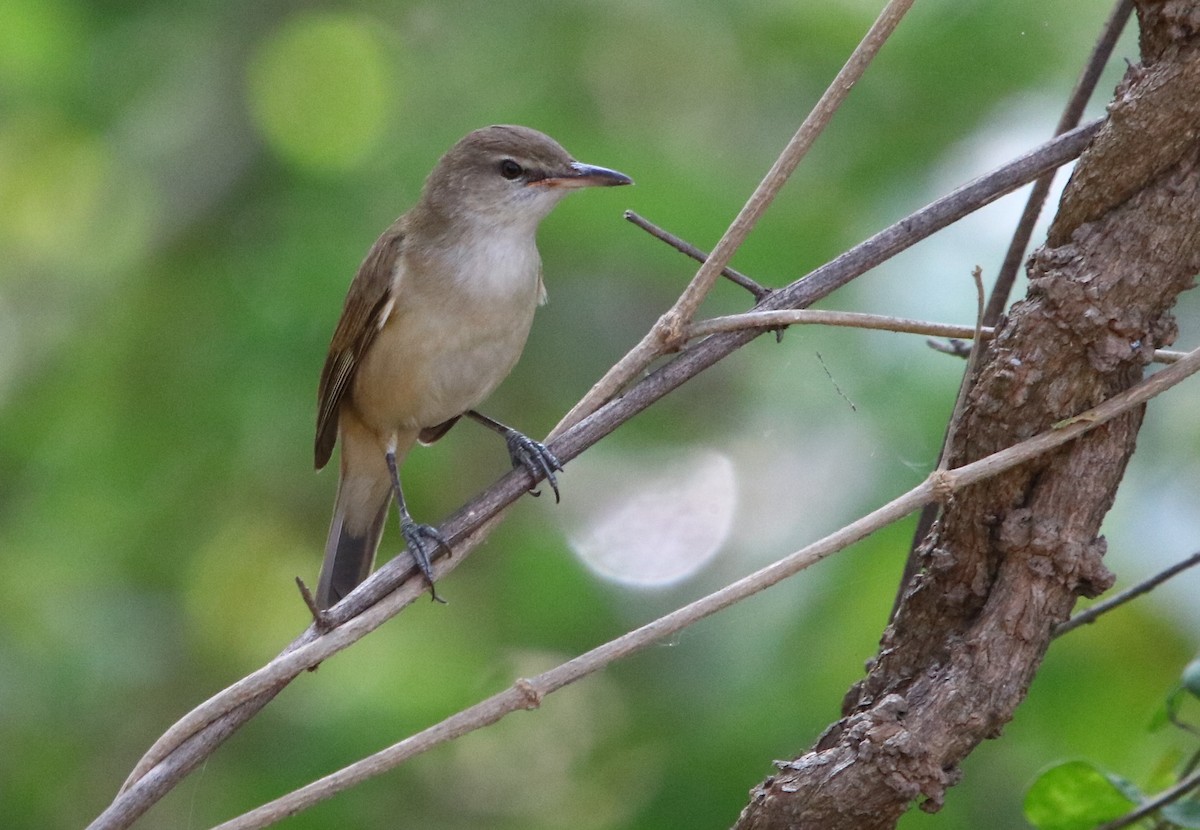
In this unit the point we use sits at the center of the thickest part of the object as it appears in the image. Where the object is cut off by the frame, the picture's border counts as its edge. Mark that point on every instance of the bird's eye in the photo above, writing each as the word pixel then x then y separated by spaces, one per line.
pixel 510 170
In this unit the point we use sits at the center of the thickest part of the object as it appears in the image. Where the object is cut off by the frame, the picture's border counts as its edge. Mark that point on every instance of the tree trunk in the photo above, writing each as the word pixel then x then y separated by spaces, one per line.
pixel 1007 559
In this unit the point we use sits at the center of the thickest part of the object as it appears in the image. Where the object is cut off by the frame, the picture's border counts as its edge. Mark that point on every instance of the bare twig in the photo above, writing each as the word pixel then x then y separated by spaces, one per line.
pixel 1155 804
pixel 688 249
pixel 667 333
pixel 850 319
pixel 859 320
pixel 1167 355
pixel 318 615
pixel 938 485
pixel 1091 614
pixel 1069 119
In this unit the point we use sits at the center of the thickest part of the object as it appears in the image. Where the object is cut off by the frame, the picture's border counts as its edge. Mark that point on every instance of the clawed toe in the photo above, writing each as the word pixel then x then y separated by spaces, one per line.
pixel 417 537
pixel 536 459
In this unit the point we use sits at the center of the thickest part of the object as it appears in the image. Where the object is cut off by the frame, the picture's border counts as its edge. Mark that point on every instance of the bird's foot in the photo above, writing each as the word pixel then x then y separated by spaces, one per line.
pixel 422 541
pixel 535 458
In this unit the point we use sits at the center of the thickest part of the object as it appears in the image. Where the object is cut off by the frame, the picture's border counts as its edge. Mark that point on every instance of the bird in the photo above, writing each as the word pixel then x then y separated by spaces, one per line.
pixel 435 318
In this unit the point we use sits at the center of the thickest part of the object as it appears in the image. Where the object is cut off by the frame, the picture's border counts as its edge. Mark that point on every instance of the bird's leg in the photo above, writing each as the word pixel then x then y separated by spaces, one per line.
pixel 416 536
pixel 534 457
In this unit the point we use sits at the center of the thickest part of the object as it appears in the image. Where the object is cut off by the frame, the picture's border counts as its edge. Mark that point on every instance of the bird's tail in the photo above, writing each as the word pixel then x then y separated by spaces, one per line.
pixel 364 493
pixel 349 552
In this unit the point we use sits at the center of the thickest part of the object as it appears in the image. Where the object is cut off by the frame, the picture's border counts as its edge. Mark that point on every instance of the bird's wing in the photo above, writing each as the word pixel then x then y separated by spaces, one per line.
pixel 368 303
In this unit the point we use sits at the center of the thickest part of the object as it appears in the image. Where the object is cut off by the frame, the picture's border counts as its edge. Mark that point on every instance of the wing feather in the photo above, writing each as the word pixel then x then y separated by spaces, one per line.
pixel 368 302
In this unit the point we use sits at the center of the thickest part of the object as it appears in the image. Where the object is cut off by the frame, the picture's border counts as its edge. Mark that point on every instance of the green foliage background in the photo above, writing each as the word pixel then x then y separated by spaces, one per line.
pixel 186 189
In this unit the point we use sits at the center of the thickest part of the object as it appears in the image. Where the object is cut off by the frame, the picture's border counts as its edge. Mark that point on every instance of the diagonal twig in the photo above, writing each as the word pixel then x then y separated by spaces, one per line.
pixel 1155 804
pixel 972 364
pixel 1091 614
pixel 688 249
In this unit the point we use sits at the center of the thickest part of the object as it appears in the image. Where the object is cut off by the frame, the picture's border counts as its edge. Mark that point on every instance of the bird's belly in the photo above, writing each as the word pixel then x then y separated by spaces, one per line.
pixel 422 370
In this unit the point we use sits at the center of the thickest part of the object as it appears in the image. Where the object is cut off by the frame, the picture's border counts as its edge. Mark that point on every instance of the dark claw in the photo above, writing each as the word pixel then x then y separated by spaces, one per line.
pixel 416 537
pixel 535 458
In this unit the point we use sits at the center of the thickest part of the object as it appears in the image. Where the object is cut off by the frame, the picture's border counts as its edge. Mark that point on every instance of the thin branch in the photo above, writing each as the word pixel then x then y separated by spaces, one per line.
pixel 856 65
pixel 688 249
pixel 667 333
pixel 1091 614
pixel 858 320
pixel 1167 355
pixel 528 693
pixel 1069 119
pixel 849 319
pixel 1155 804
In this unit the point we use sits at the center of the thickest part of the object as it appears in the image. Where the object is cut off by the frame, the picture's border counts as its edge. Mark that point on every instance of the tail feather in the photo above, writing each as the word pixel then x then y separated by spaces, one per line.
pixel 349 555
pixel 364 492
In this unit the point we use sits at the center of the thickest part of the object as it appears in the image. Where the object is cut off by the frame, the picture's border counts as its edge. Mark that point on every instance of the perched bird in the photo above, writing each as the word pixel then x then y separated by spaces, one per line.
pixel 435 319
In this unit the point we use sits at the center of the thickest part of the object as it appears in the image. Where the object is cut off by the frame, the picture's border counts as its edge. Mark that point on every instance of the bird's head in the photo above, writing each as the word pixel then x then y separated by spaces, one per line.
pixel 509 175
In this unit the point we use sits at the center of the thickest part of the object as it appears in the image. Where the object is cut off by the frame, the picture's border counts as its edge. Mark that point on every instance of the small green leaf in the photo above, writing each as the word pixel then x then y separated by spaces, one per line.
pixel 1075 795
pixel 1182 813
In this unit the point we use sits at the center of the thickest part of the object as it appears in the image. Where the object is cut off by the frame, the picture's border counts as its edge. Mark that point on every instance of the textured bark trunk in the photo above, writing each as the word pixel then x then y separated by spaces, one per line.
pixel 1007 559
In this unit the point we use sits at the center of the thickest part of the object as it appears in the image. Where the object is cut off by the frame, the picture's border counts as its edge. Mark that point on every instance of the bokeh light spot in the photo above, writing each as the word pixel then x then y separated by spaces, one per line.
pixel 653 524
pixel 320 91
pixel 41 42
pixel 66 203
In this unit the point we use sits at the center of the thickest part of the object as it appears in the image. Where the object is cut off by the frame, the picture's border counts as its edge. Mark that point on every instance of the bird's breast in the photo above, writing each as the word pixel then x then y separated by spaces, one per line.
pixel 456 329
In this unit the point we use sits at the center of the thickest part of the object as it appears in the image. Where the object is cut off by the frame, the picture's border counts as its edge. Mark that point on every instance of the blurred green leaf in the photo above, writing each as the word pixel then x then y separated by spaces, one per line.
pixel 1182 813
pixel 321 91
pixel 1075 795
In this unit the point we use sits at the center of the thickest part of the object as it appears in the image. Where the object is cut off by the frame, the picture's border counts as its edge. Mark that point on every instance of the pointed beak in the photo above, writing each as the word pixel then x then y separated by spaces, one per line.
pixel 586 175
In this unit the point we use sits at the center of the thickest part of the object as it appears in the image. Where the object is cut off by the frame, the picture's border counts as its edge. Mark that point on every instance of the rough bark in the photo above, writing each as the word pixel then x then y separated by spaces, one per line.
pixel 1008 558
